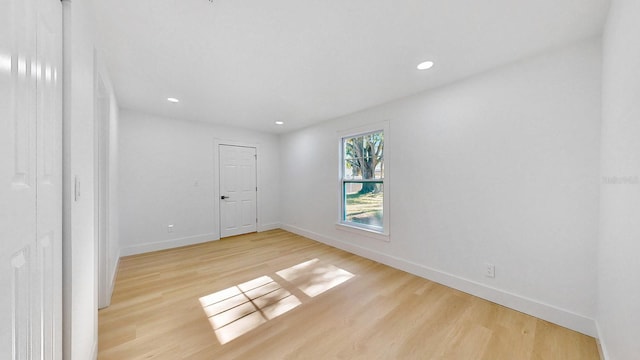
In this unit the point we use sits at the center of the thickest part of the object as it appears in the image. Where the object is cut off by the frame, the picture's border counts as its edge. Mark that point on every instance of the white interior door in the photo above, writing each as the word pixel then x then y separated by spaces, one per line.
pixel 238 190
pixel 30 179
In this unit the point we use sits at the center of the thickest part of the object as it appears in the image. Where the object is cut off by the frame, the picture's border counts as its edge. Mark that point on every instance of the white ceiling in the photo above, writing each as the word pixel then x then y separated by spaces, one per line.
pixel 249 63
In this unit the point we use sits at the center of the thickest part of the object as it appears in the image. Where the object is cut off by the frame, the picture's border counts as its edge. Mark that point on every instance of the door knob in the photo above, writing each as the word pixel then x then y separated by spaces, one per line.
pixel 224 197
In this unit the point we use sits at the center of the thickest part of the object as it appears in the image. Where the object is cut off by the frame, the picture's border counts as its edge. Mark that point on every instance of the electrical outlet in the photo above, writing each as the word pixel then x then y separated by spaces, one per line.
pixel 170 228
pixel 489 270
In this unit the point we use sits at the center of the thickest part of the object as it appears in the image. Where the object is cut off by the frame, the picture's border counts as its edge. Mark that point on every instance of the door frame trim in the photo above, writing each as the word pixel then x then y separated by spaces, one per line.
pixel 216 180
pixel 101 181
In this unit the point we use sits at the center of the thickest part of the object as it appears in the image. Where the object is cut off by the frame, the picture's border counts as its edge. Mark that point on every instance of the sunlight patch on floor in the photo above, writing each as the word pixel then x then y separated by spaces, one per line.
pixel 235 311
pixel 239 309
pixel 313 278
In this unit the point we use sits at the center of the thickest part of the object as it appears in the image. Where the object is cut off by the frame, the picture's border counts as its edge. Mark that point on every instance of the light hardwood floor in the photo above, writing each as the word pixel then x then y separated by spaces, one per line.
pixel 276 295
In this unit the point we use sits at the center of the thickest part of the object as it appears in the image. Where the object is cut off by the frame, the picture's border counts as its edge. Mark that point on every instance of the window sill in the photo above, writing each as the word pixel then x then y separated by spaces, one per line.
pixel 363 232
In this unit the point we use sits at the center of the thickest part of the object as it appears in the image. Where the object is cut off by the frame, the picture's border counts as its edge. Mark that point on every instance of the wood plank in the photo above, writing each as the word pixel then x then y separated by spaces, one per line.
pixel 276 295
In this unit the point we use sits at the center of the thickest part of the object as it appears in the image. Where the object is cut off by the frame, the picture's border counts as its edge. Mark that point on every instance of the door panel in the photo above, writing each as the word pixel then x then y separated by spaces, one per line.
pixel 248 213
pixel 47 309
pixel 30 179
pixel 19 334
pixel 17 174
pixel 238 186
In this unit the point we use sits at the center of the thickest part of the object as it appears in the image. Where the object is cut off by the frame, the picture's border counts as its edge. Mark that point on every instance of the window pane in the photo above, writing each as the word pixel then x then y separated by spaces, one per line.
pixel 363 156
pixel 363 203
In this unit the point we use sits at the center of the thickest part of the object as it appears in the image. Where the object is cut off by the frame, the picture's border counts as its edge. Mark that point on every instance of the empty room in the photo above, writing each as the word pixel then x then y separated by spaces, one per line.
pixel 409 179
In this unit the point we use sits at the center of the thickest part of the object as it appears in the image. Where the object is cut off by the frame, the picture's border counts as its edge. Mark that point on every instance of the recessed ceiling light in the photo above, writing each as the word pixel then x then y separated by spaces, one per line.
pixel 279 122
pixel 425 65
pixel 173 100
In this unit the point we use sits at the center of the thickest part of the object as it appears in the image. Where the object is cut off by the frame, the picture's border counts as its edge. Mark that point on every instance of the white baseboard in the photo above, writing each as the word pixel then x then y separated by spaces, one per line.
pixel 114 273
pixel 602 348
pixel 523 304
pixel 167 244
pixel 94 349
pixel 267 227
pixel 112 278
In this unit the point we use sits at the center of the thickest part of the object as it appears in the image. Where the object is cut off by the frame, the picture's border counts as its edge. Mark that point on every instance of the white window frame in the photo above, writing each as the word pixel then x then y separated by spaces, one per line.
pixel 362 229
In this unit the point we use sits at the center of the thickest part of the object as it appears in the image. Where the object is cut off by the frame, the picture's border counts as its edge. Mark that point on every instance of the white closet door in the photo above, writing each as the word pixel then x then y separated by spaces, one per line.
pixel 30 179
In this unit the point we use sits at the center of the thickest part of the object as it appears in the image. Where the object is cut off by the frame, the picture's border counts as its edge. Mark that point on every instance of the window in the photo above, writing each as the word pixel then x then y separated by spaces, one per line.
pixel 362 180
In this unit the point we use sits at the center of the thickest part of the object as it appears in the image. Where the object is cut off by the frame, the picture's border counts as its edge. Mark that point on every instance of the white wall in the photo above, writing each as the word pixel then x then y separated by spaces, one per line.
pixel 500 168
pixel 79 250
pixel 162 160
pixel 619 247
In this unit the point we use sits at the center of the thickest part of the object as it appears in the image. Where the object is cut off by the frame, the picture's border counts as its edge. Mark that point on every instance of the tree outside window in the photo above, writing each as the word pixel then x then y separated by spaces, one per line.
pixel 363 180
